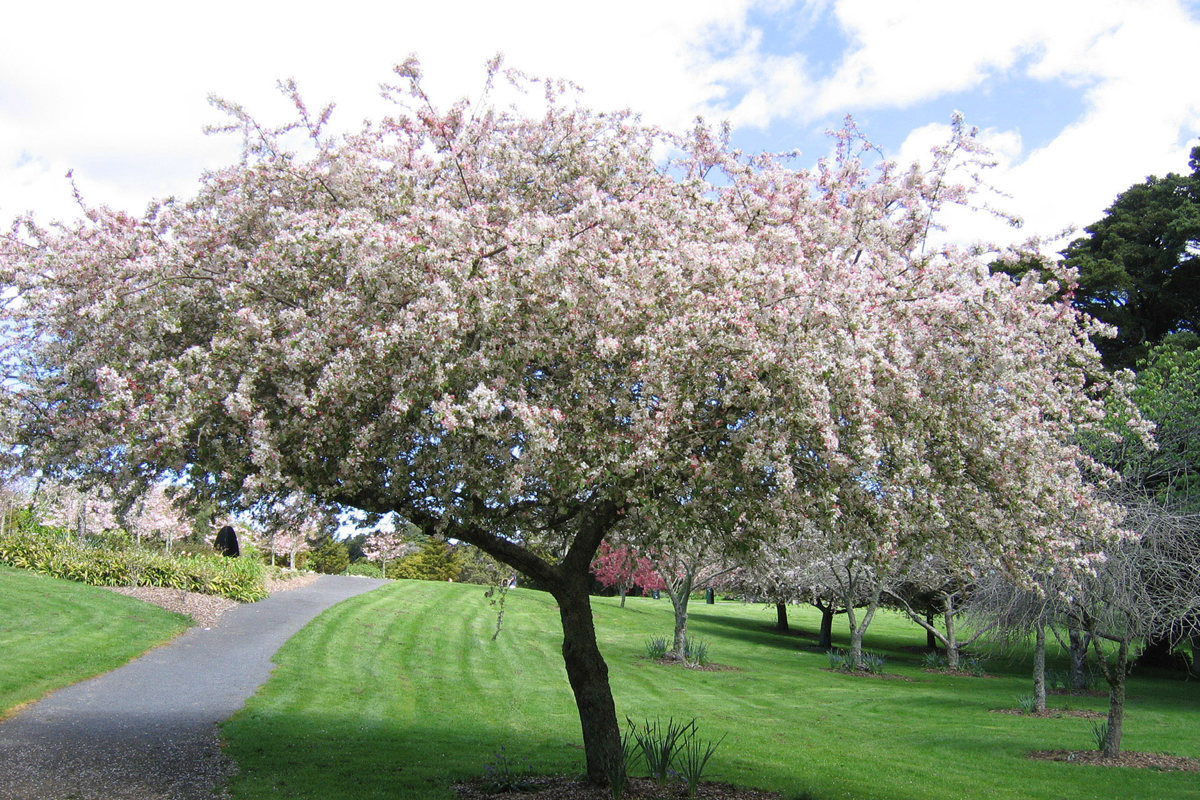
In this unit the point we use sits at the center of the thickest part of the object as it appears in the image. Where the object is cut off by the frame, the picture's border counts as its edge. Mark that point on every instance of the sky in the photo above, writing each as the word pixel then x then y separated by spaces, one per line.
pixel 1078 99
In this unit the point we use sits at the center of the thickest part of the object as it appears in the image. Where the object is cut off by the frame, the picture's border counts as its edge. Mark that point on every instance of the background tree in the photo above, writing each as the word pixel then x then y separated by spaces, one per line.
pixel 1139 265
pixel 327 555
pixel 387 544
pixel 1143 587
pixel 623 568
pixel 515 330
pixel 933 586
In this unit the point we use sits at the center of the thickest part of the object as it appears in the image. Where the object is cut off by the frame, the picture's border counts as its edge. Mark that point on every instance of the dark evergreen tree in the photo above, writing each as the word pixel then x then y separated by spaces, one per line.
pixel 1139 266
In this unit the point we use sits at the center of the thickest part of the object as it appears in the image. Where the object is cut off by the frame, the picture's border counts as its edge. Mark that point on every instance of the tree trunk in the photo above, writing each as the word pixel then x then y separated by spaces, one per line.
pixel 781 618
pixel 826 640
pixel 1039 668
pixel 952 660
pixel 1116 700
pixel 1079 648
pixel 680 593
pixel 931 642
pixel 588 675
pixel 1195 669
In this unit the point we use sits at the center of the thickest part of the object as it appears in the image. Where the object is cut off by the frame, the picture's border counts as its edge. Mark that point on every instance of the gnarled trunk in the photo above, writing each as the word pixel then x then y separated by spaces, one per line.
pixel 588 675
pixel 680 593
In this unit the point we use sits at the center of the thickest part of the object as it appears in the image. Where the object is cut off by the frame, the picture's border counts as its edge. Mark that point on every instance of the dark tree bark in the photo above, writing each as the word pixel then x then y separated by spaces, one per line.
pixel 588 675
pixel 781 617
pixel 1079 647
pixel 569 582
pixel 826 640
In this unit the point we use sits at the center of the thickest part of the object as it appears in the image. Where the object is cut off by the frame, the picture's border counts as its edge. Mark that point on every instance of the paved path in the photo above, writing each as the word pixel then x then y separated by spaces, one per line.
pixel 147 731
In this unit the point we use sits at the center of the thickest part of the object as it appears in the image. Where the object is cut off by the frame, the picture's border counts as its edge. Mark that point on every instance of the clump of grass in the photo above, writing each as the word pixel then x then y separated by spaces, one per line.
pixel 657 647
pixel 502 775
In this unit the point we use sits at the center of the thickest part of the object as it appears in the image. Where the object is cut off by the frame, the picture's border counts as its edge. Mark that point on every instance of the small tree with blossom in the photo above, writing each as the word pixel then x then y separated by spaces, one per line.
pixel 620 566
pixel 516 329
pixel 386 544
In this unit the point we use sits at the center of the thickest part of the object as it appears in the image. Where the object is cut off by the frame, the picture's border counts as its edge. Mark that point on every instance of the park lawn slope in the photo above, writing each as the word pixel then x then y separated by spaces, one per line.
pixel 54 633
pixel 400 692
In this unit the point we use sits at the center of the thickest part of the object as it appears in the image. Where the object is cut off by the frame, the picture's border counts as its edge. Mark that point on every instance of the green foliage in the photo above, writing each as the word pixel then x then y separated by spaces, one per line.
pixel 656 744
pixel 695 652
pixel 666 749
pixel 328 556
pixel 1026 703
pixel 1139 269
pixel 365 569
pixel 843 661
pixel 657 647
pixel 693 757
pixel 1100 734
pixel 98 563
pixel 435 561
pixel 935 660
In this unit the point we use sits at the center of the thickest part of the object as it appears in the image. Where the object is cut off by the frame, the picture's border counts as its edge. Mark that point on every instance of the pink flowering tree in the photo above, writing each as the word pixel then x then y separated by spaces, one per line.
pixel 620 566
pixel 386 544
pixel 515 329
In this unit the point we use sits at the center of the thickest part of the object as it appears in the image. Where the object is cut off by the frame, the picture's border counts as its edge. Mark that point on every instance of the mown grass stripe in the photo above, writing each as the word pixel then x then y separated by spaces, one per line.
pixel 791 724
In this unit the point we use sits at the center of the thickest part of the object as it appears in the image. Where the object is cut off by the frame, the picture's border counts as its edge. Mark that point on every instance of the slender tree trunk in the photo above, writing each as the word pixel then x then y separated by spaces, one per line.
pixel 1039 668
pixel 858 631
pixel 781 617
pixel 680 593
pixel 588 675
pixel 1195 669
pixel 1115 675
pixel 1079 648
pixel 931 642
pixel 952 653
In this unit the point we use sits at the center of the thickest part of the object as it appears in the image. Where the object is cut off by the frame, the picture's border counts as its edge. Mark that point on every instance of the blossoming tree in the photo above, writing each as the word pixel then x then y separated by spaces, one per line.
pixel 515 328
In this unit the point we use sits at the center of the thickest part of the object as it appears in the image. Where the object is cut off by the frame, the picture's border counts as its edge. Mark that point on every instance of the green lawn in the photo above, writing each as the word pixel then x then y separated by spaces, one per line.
pixel 54 633
pixel 398 692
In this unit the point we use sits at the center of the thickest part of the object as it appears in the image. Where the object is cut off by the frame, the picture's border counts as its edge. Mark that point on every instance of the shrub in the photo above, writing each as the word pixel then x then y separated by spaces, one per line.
pixel 934 660
pixel 657 647
pixel 842 661
pixel 329 556
pixel 502 775
pixel 47 551
pixel 695 652
pixel 364 569
pixel 662 746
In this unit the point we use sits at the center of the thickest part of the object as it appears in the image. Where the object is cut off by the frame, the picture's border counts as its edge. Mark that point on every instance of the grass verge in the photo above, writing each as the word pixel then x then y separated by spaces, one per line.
pixel 399 692
pixel 54 633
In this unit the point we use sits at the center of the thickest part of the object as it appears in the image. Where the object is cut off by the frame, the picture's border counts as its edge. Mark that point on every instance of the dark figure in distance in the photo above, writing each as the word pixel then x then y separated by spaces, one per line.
pixel 227 543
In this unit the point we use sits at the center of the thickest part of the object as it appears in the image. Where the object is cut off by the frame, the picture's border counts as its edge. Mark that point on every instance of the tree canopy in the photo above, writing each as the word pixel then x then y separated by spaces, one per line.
pixel 515 328
pixel 1139 265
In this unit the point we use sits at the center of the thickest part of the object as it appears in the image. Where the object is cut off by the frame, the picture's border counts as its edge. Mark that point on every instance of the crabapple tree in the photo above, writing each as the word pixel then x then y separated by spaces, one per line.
pixel 622 567
pixel 514 328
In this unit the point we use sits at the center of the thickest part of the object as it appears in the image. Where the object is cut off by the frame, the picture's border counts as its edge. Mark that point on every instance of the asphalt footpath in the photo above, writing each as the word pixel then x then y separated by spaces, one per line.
pixel 147 731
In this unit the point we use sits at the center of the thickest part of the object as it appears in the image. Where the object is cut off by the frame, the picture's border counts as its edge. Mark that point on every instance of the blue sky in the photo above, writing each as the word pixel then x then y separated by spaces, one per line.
pixel 1078 98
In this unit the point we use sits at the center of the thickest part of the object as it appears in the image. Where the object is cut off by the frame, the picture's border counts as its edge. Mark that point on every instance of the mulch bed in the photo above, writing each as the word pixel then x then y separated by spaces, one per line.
pixel 564 788
pixel 1052 713
pixel 1095 758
